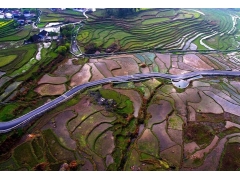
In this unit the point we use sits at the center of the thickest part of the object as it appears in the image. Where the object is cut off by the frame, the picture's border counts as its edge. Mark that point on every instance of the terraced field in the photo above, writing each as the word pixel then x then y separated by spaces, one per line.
pixel 147 125
pixel 18 68
pixel 152 126
pixel 163 29
pixel 7 27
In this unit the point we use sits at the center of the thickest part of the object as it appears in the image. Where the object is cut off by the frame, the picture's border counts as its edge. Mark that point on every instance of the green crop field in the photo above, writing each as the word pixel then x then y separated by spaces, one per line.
pixel 7 27
pixel 4 60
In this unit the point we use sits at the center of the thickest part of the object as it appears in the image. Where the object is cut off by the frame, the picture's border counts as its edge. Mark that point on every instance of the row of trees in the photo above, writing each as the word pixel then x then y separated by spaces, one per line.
pixel 66 33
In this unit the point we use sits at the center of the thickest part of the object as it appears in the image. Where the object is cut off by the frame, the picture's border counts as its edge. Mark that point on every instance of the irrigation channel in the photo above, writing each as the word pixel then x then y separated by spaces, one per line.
pixel 23 120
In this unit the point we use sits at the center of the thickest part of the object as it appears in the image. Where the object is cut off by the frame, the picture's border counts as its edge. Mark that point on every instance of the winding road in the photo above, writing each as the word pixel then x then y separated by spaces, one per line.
pixel 20 121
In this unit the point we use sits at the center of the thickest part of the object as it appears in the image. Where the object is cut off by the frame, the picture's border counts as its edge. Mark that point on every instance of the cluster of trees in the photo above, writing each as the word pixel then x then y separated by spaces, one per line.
pixel 120 12
pixel 66 32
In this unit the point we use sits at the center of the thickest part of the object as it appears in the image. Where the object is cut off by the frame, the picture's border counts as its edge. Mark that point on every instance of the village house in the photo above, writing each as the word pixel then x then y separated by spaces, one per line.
pixel 43 34
pixel 8 15
pixel 37 37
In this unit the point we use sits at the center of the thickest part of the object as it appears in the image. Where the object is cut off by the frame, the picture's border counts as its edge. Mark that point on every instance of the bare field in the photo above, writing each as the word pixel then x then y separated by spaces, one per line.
pixel 50 90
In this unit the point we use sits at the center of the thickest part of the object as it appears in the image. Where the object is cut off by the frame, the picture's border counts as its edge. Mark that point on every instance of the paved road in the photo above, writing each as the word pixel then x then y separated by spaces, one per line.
pixel 13 124
pixel 74 49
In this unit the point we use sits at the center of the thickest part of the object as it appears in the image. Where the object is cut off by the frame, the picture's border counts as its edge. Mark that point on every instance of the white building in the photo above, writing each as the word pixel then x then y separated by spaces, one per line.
pixel 8 15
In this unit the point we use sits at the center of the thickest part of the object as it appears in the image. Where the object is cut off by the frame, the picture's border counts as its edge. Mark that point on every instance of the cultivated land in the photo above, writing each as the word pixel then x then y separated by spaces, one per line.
pixel 146 125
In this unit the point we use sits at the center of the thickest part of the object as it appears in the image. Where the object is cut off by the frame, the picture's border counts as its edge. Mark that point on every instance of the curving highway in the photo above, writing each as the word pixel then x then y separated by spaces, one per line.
pixel 20 121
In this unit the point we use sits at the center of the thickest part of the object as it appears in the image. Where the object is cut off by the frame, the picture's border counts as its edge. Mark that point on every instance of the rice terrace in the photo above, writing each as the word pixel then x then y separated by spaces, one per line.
pixel 123 89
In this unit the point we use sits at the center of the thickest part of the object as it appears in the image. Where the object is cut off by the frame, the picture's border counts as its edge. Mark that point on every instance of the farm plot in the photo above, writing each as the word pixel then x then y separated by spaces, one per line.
pixel 50 89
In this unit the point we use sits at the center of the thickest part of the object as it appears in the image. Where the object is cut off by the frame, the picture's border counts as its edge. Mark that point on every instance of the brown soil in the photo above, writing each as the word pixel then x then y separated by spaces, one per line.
pixel 82 76
pixel 177 71
pixel 50 90
pixel 196 62
pixel 199 133
pixel 46 79
pixel 231 158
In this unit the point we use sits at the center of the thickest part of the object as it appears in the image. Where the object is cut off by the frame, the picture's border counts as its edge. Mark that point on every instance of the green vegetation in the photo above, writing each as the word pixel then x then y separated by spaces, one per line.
pixel 24 54
pixel 61 49
pixel 124 105
pixel 24 68
pixel 55 147
pixel 175 122
pixel 228 131
pixel 199 133
pixel 66 31
pixel 80 61
pixel 18 35
pixel 139 34
pixel 159 29
pixel 154 20
pixel 7 28
pixel 4 60
pixel 148 143
pixel 67 15
pixel 7 112
pixel 25 156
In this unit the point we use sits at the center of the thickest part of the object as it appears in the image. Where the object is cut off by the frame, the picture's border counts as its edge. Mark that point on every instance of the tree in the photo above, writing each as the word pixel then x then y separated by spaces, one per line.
pixel 61 49
pixel 91 48
pixel 67 45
